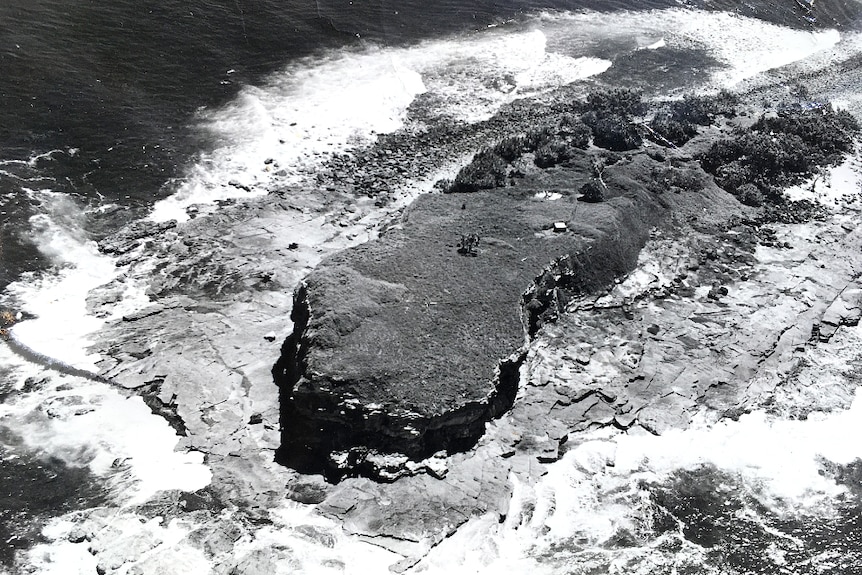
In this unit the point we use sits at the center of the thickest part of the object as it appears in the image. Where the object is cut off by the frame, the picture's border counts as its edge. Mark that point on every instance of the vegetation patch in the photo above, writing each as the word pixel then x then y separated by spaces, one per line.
pixel 487 170
pixel 676 178
pixel 677 122
pixel 611 114
pixel 780 150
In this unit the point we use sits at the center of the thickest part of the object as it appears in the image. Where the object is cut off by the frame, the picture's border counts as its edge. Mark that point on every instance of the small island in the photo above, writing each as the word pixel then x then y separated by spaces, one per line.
pixel 406 346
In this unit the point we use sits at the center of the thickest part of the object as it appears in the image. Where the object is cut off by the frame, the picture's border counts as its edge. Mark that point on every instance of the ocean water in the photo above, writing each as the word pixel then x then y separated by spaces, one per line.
pixel 114 103
pixel 123 110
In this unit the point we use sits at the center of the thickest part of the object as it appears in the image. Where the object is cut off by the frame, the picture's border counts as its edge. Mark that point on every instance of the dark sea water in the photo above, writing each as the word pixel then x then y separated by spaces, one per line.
pixel 99 98
pixel 106 106
pixel 103 93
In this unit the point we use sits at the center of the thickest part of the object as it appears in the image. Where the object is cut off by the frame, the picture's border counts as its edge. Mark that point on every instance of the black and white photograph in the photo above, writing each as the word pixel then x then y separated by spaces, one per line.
pixel 443 287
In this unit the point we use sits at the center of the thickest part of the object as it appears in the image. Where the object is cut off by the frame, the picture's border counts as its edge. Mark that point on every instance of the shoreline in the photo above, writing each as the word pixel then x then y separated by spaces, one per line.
pixel 227 436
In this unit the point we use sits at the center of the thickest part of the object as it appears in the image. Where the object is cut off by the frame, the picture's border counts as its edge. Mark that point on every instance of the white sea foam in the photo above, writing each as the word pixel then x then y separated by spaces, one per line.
pixel 152 546
pixel 116 437
pixel 473 78
pixel 85 423
pixel 745 46
pixel 749 47
pixel 49 155
pixel 761 448
pixel 598 487
pixel 77 420
pixel 847 48
pixel 312 545
pixel 62 325
pixel 279 132
pixel 332 551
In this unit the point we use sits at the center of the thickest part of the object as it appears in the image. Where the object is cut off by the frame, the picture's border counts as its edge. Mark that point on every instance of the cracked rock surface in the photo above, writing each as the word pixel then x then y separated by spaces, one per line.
pixel 644 357
pixel 716 317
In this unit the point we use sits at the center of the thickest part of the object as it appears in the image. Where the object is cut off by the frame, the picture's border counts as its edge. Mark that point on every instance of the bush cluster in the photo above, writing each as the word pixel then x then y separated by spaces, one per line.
pixel 827 133
pixel 573 130
pixel 537 137
pixel 678 122
pixel 554 144
pixel 778 151
pixel 703 110
pixel 608 122
pixel 486 171
pixel 669 128
pixel 615 133
pixel 511 148
pixel 551 144
pixel 675 179
pixel 618 102
pixel 592 192
pixel 610 116
pixel 552 153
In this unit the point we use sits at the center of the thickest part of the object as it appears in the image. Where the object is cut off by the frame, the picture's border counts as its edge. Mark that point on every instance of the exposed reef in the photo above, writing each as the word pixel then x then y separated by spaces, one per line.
pixel 663 300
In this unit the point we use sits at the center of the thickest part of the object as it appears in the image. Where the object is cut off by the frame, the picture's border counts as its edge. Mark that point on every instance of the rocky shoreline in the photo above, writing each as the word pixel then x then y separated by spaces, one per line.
pixel 707 310
pixel 405 347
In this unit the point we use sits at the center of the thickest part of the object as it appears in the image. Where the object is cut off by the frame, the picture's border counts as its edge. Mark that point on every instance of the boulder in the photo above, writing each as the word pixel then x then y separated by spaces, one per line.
pixel 845 310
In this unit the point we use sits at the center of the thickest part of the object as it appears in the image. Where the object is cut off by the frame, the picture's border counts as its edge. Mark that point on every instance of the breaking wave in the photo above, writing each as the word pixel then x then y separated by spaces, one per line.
pixel 276 134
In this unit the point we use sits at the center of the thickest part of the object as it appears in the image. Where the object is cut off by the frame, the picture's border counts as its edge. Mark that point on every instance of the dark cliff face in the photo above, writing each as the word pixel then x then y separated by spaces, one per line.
pixel 408 346
pixel 326 430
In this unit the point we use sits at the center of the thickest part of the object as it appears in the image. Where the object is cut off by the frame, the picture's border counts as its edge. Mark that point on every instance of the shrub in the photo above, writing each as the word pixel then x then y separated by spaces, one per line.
pixel 538 137
pixel 671 129
pixel 732 175
pixel 609 115
pixel 673 179
pixel 755 157
pixel 469 245
pixel 826 133
pixel 511 148
pixel 677 123
pixel 574 131
pixel 486 171
pixel 619 102
pixel 552 153
pixel 592 192
pixel 750 195
pixel 554 144
pixel 615 133
pixel 721 153
pixel 702 110
pixel 443 185
pixel 778 151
